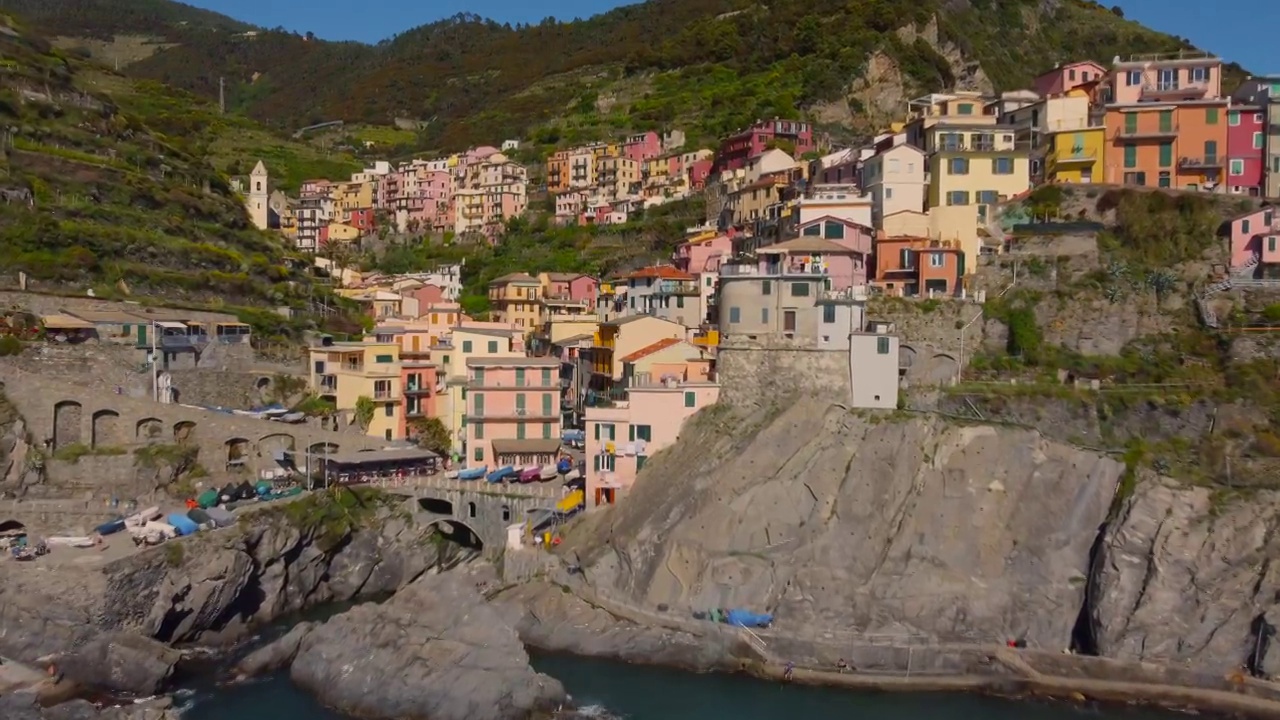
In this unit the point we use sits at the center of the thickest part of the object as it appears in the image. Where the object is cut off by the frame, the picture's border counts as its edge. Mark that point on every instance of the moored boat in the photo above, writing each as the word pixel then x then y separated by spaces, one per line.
pixel 530 474
pixel 473 473
pixel 498 475
pixel 549 472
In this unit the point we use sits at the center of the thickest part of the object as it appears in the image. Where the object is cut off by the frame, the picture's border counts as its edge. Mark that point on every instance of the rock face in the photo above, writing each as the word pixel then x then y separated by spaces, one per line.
pixel 836 522
pixel 23 706
pixel 1182 575
pixel 110 628
pixel 436 650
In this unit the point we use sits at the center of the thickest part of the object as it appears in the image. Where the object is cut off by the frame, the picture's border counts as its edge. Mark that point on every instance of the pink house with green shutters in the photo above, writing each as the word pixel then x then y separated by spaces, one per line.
pixel 512 414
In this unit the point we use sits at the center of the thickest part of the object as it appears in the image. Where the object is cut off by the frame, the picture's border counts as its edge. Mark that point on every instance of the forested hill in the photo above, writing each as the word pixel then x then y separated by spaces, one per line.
pixel 708 66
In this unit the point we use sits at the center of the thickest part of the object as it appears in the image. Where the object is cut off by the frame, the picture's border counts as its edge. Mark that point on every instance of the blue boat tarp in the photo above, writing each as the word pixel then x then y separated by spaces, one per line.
pixel 473 473
pixel 572 435
pixel 497 475
pixel 746 618
pixel 564 466
pixel 110 527
pixel 182 524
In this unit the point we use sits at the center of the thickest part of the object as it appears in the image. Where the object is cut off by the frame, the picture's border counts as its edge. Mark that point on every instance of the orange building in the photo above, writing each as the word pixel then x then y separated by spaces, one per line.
pixel 1180 145
pixel 558 172
pixel 908 266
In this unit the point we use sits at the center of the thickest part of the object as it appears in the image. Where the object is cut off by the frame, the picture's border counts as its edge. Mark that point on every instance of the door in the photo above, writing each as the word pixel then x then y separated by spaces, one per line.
pixel 788 320
pixel 1210 151
pixel 142 334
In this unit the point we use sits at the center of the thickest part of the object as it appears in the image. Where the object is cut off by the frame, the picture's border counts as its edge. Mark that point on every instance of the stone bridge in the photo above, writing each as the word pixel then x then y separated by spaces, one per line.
pixel 60 415
pixel 474 512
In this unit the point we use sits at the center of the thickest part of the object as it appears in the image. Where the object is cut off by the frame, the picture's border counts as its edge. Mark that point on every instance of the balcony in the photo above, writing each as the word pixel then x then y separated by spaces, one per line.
pixel 1076 155
pixel 416 389
pixel 514 414
pixel 328 384
pixel 853 293
pixel 677 287
pixel 1140 133
pixel 1155 91
pixel 414 411
pixel 382 395
pixel 353 367
pixel 1207 162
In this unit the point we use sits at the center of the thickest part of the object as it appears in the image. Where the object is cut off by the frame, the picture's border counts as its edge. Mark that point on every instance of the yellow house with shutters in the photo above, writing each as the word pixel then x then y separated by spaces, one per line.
pixel 1075 156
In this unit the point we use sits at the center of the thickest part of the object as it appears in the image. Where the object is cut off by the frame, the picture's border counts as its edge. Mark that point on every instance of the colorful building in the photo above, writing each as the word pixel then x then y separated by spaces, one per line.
pixel 1067 77
pixel 1179 145
pixel 911 266
pixel 1251 237
pixel 348 372
pixel 1264 92
pixel 1165 77
pixel 1246 150
pixel 1075 156
pixel 979 166
pixel 622 438
pixel 619 338
pixel 895 180
pixel 513 411
pixel 737 149
pixel 451 356
pixel 516 300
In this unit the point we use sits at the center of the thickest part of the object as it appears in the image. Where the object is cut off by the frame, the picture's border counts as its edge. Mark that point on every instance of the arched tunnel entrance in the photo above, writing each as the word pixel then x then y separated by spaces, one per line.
pixel 459 533
pixel 436 505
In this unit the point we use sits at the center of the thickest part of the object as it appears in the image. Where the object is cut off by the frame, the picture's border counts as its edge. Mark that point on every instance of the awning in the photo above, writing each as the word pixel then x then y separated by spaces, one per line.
pixel 528 446
pixel 232 324
pixel 65 322
pixel 171 325
pixel 380 456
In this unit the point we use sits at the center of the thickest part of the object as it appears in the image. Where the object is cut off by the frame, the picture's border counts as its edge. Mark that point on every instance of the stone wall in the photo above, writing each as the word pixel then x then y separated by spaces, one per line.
pixel 755 374
pixel 486 514
pixel 219 388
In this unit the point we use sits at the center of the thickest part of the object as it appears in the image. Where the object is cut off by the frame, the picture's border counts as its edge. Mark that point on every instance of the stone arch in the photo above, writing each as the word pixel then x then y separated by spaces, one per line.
pixel 262 383
pixel 459 532
pixel 184 431
pixel 322 448
pixel 941 369
pixel 506 513
pixel 68 420
pixel 105 429
pixel 436 506
pixel 274 443
pixel 237 451
pixel 471 509
pixel 149 429
pixel 906 356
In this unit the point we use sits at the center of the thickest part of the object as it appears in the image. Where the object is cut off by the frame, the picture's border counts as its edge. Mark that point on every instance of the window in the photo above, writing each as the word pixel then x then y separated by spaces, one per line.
pixel 1131 123
pixel 479 454
pixel 766 287
pixel 894 164
pixel 384 359
pixel 958 197
pixel 690 399
pixel 546 404
pixel 520 431
pixel 493 346
pixel 888 193
pixel 1244 226
pixel 1163 179
pixel 1257 141
pixel 1200 74
pixel 640 461
pixel 546 376
pixel 828 313
pixel 1211 116
pixel 882 346
pixel 788 321
pixel 1237 167
pixel 1257 118
pixel 643 432
pixel 958 166
pixel 764 316
pixel 1211 149
pixel 1266 218
pixel 832 230
pixel 1166 121
pixel 479 426
pixel 1002 166
pixel 1134 77
pixel 1166 154
pixel 735 315
pixel 466 346
pixel 800 289
pixel 319 363
pixel 1233 117
pixel 519 377
pixel 1130 156
pixel 1271 244
pixel 907 259
pixel 1135 178
pixel 479 376
pixel 546 431
pixel 479 398
pixel 814 230
pixel 1071 74
pixel 988 197
pixel 936 260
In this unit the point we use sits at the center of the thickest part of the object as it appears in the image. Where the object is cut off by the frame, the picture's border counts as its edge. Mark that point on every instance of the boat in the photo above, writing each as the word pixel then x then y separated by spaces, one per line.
pixel 182 524
pixel 141 518
pixel 110 527
pixel 530 474
pixel 571 503
pixel 565 465
pixel 473 473
pixel 199 517
pixel 549 472
pixel 501 473
pixel 221 517
pixel 571 476
pixel 77 541
pixel 157 527
pixel 207 499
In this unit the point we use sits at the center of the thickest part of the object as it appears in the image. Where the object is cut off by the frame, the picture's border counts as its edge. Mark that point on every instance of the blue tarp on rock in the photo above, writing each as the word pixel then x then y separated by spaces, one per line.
pixel 746 618
pixel 182 524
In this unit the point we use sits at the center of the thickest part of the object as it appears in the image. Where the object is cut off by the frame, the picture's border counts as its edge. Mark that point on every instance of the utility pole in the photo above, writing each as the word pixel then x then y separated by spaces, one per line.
pixel 222 95
pixel 155 364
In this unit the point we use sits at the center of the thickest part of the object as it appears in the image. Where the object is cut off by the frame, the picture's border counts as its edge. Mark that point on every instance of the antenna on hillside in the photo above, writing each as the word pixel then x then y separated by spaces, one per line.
pixel 222 95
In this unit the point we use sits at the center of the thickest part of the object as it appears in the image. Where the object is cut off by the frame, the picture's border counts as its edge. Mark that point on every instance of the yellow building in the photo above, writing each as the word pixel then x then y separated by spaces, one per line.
pixel 341 232
pixel 619 338
pixel 348 196
pixel 975 166
pixel 1075 156
pixel 347 372
pixel 451 355
pixel 516 299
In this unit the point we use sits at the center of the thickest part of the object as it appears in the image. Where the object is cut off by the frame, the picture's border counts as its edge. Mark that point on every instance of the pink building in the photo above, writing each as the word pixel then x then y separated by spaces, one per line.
pixel 1246 148
pixel 1187 75
pixel 856 238
pixel 620 439
pixel 704 254
pixel 513 411
pixel 1252 237
pixel 426 294
pixel 740 147
pixel 699 171
pixel 1065 78
pixel 571 286
pixel 422 385
pixel 642 147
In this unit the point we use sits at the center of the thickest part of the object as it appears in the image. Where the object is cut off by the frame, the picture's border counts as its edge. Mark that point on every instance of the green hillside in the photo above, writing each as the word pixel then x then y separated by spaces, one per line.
pixel 110 187
pixel 707 66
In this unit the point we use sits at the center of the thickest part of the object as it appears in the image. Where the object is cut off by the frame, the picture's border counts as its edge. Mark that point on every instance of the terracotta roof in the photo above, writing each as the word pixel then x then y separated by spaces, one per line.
pixel 648 350
pixel 806 244
pixel 662 272
pixel 517 277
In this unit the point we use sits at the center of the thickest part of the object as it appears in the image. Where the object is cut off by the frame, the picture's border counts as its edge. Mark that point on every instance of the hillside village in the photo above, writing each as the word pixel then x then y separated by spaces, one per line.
pixel 798 245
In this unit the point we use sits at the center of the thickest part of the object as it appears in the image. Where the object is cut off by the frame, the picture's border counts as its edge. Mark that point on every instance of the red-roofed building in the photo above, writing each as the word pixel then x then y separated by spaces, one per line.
pixel 667 292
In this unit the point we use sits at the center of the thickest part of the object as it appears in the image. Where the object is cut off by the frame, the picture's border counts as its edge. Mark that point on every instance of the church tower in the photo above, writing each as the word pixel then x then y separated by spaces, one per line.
pixel 259 211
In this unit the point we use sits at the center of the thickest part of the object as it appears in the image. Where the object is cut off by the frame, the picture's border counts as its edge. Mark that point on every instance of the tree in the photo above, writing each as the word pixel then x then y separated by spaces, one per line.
pixel 431 434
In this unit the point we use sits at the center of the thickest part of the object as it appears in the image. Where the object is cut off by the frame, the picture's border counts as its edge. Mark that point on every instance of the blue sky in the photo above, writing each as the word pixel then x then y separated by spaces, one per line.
pixel 1245 37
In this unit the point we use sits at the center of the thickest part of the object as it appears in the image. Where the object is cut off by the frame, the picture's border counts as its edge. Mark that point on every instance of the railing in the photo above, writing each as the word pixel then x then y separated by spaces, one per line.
pixel 518 413
pixel 1076 124
pixel 739 270
pixel 1208 161
pixel 1163 130
pixel 1077 156
pixel 382 395
pixel 854 292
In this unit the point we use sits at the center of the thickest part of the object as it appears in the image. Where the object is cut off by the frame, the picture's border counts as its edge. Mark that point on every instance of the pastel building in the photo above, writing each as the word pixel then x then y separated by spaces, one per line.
pixel 1179 145
pixel 1264 92
pixel 422 384
pixel 980 166
pixel 622 438
pixel 1165 77
pixel 840 201
pixel 513 411
pixel 346 372
pixel 1246 150
pixel 451 355
pixel 1252 238
pixel 666 292
pixel 895 180
pixel 704 252
pixel 619 338
pixel 516 300
pixel 913 266
pixel 1068 76
pixel 737 149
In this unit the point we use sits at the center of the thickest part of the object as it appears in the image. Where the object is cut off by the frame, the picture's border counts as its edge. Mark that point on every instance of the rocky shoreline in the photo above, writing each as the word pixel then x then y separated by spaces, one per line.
pixel 450 642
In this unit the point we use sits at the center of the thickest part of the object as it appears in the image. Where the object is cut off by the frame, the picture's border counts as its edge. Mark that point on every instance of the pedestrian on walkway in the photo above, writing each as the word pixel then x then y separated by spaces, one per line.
pixel 789 671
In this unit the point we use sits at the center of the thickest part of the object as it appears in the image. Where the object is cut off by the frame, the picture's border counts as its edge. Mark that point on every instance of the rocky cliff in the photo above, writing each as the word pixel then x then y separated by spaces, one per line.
pixel 917 529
